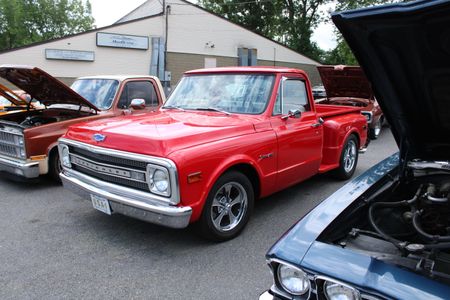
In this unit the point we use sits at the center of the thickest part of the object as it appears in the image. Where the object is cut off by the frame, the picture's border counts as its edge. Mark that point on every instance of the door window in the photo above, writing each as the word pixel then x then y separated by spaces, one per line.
pixel 294 96
pixel 138 90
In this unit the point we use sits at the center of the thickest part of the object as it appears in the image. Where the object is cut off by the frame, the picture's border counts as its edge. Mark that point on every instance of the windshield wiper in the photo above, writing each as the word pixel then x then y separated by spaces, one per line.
pixel 173 107
pixel 213 109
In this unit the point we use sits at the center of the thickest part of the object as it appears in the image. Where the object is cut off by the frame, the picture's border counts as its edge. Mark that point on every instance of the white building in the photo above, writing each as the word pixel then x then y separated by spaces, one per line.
pixel 163 42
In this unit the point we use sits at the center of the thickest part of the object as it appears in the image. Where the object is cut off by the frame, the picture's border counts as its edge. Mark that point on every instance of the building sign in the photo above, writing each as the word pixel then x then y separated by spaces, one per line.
pixel 69 54
pixel 122 41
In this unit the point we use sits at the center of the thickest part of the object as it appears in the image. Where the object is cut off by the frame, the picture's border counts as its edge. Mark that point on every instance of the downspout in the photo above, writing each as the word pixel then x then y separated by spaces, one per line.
pixel 167 12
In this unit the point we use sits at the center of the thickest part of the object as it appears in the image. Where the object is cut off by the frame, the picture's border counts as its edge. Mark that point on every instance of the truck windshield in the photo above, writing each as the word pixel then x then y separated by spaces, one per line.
pixel 233 93
pixel 99 92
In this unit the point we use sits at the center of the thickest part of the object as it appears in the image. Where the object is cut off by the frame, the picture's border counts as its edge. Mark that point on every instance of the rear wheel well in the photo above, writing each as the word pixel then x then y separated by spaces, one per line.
pixel 251 174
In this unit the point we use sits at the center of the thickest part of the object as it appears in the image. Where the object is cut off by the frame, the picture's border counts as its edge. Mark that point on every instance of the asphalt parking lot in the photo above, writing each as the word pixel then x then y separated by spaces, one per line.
pixel 54 245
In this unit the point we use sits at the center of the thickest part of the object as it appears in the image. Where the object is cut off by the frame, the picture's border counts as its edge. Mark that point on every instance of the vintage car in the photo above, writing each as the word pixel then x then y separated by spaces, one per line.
pixel 28 138
pixel 347 85
pixel 319 92
pixel 225 137
pixel 385 235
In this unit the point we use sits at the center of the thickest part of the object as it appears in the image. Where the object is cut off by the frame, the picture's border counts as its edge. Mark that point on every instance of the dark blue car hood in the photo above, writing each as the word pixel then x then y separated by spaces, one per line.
pixel 404 50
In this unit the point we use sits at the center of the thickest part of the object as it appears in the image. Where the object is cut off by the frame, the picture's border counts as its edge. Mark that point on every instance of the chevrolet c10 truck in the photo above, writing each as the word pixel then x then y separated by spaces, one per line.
pixel 225 137
pixel 28 138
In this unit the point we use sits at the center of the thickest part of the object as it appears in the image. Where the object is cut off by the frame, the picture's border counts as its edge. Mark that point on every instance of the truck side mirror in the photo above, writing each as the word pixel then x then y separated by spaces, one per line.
pixel 137 103
pixel 293 113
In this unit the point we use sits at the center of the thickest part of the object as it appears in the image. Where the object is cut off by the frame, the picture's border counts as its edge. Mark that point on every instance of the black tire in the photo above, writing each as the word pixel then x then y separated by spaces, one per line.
pixel 54 166
pixel 374 132
pixel 219 205
pixel 345 170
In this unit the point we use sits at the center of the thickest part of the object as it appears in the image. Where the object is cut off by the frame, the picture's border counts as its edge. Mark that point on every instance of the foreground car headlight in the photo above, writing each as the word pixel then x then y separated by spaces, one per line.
pixel 338 291
pixel 293 280
pixel 158 180
pixel 64 156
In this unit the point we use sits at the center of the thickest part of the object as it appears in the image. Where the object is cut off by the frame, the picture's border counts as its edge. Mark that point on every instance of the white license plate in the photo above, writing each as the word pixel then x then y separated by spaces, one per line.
pixel 100 203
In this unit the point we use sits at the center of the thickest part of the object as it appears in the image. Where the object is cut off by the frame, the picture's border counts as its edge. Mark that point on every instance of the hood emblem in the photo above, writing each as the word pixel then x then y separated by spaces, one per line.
pixel 98 137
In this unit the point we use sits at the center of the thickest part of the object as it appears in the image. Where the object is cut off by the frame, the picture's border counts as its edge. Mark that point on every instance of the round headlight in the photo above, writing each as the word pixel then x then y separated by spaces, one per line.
pixel 293 280
pixel 20 140
pixel 336 291
pixel 161 181
pixel 65 158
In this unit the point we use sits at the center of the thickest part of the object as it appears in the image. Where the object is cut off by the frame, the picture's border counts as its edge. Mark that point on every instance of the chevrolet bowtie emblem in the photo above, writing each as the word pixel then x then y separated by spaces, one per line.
pixel 98 137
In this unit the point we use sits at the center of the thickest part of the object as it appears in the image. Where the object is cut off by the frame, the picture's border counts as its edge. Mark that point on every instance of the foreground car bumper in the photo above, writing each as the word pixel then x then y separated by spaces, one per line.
pixel 19 167
pixel 268 296
pixel 121 201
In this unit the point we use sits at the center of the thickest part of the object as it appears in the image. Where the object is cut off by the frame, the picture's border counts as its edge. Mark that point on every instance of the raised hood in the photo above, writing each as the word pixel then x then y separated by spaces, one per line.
pixel 11 96
pixel 345 81
pixel 160 133
pixel 42 86
pixel 404 50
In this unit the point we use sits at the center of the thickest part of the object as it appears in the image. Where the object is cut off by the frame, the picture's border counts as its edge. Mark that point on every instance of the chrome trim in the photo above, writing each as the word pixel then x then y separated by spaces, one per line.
pixel 326 278
pixel 106 166
pixel 420 165
pixel 127 203
pixel 164 162
pixel 368 113
pixel 19 167
pixel 279 289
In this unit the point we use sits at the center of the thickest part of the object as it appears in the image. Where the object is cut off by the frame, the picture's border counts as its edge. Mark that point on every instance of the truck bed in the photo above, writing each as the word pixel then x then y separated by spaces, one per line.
pixel 325 111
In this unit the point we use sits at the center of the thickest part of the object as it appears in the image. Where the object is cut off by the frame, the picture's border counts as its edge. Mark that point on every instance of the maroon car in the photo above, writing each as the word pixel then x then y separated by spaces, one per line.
pixel 347 85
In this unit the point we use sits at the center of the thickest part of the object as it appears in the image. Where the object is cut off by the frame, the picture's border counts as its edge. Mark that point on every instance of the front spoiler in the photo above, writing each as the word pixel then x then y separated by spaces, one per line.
pixel 149 211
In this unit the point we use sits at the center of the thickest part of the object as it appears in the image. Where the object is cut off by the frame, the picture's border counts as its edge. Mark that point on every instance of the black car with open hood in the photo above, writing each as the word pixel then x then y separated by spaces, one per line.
pixel 385 234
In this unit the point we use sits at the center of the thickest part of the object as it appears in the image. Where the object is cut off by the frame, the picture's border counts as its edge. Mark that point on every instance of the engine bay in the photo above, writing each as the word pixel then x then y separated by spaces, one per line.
pixel 36 118
pixel 408 224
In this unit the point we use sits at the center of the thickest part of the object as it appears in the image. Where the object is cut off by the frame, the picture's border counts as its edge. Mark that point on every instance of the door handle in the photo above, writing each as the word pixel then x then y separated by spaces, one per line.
pixel 319 122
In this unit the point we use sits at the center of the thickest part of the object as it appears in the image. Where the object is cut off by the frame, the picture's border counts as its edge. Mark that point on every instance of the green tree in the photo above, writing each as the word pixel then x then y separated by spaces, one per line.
pixel 291 22
pixel 342 54
pixel 27 21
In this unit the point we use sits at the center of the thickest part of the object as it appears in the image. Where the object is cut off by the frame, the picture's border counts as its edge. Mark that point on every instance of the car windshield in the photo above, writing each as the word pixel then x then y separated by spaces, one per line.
pixel 232 93
pixel 99 92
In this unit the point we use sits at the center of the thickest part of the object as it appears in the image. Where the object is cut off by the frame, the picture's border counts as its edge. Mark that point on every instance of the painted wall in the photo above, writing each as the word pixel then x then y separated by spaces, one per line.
pixel 107 60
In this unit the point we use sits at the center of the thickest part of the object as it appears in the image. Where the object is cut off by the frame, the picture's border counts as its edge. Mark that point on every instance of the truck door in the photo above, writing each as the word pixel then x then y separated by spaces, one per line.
pixel 300 136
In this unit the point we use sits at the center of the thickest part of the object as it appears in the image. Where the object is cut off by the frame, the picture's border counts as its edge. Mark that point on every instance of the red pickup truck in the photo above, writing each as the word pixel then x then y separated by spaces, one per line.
pixel 225 137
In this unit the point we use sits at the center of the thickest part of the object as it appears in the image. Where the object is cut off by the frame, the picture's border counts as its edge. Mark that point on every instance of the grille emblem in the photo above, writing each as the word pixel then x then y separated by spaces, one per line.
pixel 98 137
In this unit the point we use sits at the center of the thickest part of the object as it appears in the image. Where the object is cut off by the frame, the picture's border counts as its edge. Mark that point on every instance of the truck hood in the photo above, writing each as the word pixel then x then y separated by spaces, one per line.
pixel 160 133
pixel 345 81
pixel 404 51
pixel 42 86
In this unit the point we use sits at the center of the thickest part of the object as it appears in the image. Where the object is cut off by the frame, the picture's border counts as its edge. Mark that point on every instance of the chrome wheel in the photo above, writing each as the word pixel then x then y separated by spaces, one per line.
pixel 350 154
pixel 228 206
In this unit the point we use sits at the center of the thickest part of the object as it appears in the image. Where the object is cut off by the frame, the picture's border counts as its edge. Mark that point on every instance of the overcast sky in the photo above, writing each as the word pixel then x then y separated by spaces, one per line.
pixel 107 12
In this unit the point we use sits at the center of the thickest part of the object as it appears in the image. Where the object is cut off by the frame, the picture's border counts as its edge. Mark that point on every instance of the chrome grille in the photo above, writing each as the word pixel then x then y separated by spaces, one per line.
pixel 9 144
pixel 99 166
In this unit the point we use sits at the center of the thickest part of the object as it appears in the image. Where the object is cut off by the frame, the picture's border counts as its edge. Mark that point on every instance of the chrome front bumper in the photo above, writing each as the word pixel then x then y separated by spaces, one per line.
pixel 19 167
pixel 126 201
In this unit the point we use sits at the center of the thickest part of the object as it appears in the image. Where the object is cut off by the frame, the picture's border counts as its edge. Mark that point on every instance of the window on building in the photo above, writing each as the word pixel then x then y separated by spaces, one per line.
pixel 247 57
pixel 138 90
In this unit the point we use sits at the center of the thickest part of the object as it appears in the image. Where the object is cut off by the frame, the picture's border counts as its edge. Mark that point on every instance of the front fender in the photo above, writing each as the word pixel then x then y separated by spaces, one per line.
pixel 293 246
